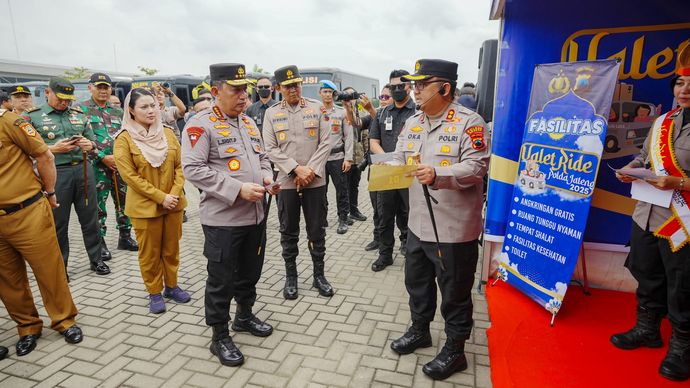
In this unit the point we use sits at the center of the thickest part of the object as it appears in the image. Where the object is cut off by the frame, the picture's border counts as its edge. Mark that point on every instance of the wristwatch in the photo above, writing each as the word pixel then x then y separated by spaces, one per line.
pixel 49 194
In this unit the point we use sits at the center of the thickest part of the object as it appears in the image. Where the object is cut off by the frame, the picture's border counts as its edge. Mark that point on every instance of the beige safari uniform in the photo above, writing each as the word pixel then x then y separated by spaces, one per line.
pixel 297 136
pixel 219 154
pixel 458 148
pixel 342 135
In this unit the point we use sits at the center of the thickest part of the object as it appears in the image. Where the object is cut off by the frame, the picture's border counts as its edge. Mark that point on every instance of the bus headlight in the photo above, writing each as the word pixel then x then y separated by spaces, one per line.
pixel 631 134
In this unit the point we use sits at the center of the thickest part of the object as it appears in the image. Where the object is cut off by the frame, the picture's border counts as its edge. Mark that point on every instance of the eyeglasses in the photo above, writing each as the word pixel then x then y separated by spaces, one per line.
pixel 397 87
pixel 206 98
pixel 263 86
pixel 384 97
pixel 421 85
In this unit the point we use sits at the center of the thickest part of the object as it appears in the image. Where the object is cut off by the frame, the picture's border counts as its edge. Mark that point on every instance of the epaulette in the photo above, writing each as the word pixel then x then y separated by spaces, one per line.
pixel 34 109
pixel 276 104
pixel 169 127
pixel 76 108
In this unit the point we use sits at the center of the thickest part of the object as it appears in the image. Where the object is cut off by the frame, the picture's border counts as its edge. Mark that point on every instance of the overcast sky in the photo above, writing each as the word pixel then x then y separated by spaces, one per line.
pixel 363 36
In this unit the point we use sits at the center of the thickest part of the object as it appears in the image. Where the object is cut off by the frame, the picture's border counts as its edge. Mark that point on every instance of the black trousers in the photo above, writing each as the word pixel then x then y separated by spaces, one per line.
pixel 663 276
pixel 353 178
pixel 69 190
pixel 234 267
pixel 393 207
pixel 423 270
pixel 313 204
pixel 335 174
pixel 373 196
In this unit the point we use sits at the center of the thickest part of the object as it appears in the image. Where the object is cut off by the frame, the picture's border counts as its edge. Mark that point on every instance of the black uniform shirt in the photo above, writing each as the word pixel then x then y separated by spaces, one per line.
pixel 257 110
pixel 396 118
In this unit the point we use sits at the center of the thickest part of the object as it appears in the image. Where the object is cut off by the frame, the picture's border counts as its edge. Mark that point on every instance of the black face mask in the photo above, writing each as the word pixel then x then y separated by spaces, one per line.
pixel 399 95
pixel 264 93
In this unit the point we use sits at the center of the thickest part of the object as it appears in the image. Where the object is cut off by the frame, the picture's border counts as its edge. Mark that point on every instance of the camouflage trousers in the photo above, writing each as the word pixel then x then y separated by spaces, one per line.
pixel 105 185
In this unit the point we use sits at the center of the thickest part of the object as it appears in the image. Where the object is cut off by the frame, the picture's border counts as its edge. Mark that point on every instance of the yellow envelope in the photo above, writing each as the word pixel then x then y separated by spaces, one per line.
pixel 384 177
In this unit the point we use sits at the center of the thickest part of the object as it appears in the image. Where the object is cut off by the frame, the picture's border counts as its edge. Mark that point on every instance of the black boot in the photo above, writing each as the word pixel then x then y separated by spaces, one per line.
pixel 290 290
pixel 3 352
pixel 247 321
pixel 450 360
pixel 676 364
pixel 342 226
pixel 417 336
pixel 320 281
pixel 381 263
pixel 126 242
pixel 223 347
pixel 105 253
pixel 645 332
pixel 357 215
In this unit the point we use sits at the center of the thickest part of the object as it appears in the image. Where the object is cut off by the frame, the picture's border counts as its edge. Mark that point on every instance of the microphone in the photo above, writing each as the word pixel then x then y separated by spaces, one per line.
pixel 419 106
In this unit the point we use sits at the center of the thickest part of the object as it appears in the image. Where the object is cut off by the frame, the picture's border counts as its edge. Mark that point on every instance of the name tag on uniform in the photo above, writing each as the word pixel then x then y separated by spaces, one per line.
pixel 389 123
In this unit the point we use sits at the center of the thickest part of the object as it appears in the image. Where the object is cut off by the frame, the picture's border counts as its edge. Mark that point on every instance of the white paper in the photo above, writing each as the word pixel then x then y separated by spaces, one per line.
pixel 639 173
pixel 643 191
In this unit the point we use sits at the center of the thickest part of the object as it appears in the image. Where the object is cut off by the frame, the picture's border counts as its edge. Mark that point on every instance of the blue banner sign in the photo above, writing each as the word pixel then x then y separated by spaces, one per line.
pixel 557 172
pixel 644 34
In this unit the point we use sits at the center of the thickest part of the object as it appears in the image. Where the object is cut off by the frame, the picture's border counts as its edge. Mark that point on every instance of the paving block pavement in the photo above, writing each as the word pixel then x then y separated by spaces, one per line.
pixel 341 341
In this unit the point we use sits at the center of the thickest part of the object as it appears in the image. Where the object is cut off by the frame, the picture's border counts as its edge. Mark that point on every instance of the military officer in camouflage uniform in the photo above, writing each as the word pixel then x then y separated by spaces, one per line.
pixel 105 121
pixel 453 146
pixel 69 137
pixel 223 155
pixel 297 138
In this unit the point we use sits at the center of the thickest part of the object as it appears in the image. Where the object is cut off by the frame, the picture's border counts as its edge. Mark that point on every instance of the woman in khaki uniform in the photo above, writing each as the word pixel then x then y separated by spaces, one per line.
pixel 148 157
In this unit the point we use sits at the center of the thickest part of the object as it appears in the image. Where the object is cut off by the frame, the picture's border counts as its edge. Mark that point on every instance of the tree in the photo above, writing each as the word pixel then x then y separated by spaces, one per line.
pixel 77 73
pixel 257 69
pixel 148 70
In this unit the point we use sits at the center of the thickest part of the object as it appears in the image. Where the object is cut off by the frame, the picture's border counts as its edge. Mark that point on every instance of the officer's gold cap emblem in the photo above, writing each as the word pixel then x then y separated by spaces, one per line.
pixel 240 72
pixel 417 66
pixel 289 74
pixel 20 88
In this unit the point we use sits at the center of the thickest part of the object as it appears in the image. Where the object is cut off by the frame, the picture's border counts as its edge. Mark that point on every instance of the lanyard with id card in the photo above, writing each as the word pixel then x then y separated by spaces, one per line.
pixel 389 123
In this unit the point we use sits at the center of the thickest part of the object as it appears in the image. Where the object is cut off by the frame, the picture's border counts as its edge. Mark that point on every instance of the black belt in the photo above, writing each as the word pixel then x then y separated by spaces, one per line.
pixel 72 163
pixel 337 149
pixel 16 208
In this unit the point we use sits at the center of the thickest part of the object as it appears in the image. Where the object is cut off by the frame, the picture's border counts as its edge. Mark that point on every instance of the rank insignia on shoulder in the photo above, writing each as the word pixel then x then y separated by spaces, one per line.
pixel 245 119
pixel 194 133
pixel 451 115
pixel 218 113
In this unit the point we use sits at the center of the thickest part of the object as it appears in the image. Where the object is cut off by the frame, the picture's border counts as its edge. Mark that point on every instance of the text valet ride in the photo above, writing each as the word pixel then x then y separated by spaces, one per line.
pixel 559 160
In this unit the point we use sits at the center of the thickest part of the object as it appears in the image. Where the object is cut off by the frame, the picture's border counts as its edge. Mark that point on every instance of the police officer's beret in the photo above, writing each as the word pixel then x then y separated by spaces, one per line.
pixel 427 68
pixel 287 75
pixel 328 84
pixel 232 73
pixel 100 78
pixel 62 88
pixel 19 89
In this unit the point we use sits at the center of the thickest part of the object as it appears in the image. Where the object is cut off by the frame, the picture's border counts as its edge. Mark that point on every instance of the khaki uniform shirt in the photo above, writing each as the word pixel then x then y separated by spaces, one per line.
pixel 18 141
pixel 342 136
pixel 219 154
pixel 645 213
pixel 457 146
pixel 297 136
pixel 147 186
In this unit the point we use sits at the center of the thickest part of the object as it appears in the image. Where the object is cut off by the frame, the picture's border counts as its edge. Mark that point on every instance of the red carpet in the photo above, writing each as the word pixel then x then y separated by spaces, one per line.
pixel 526 352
